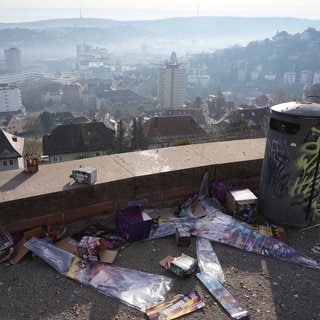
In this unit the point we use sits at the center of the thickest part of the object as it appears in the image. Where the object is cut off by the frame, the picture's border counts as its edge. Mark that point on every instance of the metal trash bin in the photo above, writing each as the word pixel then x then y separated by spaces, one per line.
pixel 290 177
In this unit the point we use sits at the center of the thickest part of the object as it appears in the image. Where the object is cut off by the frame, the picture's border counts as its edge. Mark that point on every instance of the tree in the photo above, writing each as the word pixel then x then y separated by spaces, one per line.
pixel 31 99
pixel 198 102
pixel 220 101
pixel 33 125
pixel 47 120
pixel 138 140
pixel 140 111
pixel 280 96
pixel 121 142
pixel 313 93
pixel 33 146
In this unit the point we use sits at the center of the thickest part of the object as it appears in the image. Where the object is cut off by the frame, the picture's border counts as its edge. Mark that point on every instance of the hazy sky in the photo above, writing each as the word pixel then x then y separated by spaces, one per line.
pixel 31 10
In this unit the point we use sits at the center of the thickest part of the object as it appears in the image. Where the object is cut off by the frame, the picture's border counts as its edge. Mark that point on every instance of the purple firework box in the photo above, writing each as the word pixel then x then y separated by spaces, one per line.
pixel 219 191
pixel 133 223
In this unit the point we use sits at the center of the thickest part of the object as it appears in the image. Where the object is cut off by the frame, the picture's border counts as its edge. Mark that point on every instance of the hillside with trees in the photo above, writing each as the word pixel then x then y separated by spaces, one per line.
pixel 150 38
pixel 283 54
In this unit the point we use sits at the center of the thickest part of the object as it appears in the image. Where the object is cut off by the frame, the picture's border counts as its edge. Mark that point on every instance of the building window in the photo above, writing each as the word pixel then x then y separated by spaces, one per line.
pixel 11 162
pixel 97 153
pixel 4 163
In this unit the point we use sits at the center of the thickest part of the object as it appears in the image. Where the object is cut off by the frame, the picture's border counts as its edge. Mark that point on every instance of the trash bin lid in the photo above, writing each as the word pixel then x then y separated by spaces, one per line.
pixel 298 109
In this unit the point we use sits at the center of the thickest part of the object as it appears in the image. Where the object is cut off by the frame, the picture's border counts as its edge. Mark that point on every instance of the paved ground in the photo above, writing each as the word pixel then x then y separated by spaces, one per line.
pixel 268 288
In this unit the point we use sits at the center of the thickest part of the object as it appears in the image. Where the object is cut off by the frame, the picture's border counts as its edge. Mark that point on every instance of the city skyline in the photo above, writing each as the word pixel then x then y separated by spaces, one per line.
pixel 18 11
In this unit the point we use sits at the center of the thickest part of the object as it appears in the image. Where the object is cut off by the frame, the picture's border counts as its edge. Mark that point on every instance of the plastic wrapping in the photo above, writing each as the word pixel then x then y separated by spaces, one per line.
pixel 167 226
pixel 225 229
pixel 207 259
pixel 137 289
pixel 58 259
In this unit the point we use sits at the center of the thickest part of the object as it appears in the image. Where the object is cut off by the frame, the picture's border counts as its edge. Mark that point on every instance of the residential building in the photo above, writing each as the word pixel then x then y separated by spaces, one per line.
pixel 196 113
pixel 172 84
pixel 262 101
pixel 241 75
pixel 289 78
pixel 306 77
pixel 64 117
pixel 124 100
pixel 162 132
pixel 11 151
pixel 78 141
pixel 199 80
pixel 13 60
pixel 10 99
pixel 72 93
pixel 248 120
pixel 316 78
pixel 13 124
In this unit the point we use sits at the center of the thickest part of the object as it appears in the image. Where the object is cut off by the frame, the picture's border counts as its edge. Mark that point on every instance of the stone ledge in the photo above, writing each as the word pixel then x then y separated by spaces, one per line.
pixel 161 176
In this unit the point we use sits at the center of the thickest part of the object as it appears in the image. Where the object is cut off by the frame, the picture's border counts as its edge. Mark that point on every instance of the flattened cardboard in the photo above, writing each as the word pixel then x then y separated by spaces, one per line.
pixel 198 210
pixel 67 244
pixel 107 256
pixel 20 249
pixel 165 260
pixel 70 245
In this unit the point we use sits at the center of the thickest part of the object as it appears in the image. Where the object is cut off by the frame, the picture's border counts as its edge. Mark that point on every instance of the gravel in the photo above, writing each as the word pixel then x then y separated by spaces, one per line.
pixel 267 287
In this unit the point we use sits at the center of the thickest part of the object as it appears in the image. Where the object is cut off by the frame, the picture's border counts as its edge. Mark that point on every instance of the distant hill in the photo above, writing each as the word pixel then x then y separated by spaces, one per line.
pixel 142 39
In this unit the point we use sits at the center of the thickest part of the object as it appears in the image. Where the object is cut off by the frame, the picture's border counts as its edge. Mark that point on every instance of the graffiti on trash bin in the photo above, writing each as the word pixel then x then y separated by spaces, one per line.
pixel 276 176
pixel 296 179
pixel 308 168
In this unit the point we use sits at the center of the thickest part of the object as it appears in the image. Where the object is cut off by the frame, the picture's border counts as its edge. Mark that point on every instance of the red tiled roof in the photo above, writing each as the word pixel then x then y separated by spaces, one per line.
pixel 173 126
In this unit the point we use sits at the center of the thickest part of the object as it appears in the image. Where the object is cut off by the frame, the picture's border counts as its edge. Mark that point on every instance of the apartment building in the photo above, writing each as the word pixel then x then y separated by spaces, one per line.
pixel 172 84
pixel 13 60
pixel 10 99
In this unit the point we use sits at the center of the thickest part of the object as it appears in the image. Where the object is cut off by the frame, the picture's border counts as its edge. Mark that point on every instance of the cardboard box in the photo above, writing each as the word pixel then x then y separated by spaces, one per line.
pixel 70 245
pixel 85 175
pixel 88 248
pixel 133 223
pixel 183 236
pixel 182 265
pixel 242 204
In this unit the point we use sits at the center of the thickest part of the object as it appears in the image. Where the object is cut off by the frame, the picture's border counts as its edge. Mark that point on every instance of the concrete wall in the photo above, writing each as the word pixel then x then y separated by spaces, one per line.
pixel 162 176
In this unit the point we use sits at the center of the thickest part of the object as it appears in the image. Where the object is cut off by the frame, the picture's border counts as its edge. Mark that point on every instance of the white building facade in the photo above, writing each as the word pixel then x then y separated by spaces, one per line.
pixel 10 99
